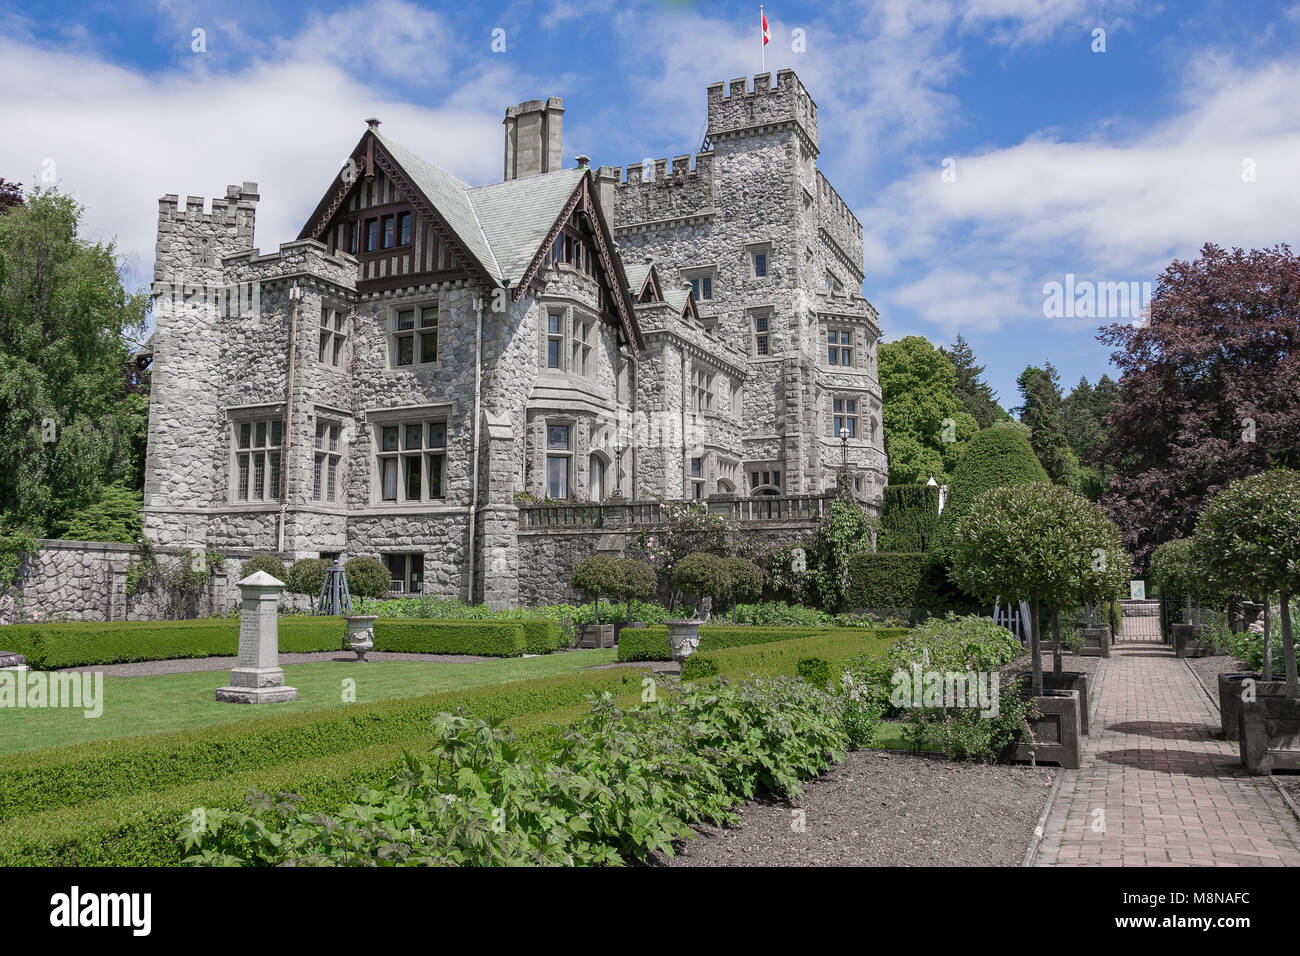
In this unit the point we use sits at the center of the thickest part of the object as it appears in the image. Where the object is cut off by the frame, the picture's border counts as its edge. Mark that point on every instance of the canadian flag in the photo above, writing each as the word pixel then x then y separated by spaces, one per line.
pixel 767 34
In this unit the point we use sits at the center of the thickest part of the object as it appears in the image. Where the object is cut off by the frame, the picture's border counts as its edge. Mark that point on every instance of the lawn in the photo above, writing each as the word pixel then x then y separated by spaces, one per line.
pixel 172 702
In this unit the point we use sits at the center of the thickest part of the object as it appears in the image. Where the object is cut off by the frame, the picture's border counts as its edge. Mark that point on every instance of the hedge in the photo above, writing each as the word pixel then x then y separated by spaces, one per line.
pixel 909 515
pixel 34 781
pixel 86 643
pixel 440 636
pixel 782 657
pixel 901 584
pixel 651 643
pixel 995 457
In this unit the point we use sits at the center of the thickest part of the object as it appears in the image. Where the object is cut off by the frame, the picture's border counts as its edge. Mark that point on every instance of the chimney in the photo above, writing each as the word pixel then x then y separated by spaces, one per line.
pixel 534 138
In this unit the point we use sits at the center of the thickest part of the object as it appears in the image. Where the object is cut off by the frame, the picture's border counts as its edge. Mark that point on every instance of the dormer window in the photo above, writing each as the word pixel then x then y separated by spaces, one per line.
pixel 414 339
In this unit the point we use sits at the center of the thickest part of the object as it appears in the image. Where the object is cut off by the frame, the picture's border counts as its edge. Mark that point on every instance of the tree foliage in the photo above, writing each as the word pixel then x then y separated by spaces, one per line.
pixel 598 576
pixel 1040 391
pixel 1248 538
pixel 367 577
pixel 11 194
pixel 68 422
pixel 307 576
pixel 1043 543
pixel 974 396
pixel 115 516
pixel 925 426
pixel 1210 386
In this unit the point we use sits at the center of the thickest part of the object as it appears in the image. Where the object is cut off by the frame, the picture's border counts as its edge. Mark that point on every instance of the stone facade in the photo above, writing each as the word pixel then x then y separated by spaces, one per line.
pixel 427 354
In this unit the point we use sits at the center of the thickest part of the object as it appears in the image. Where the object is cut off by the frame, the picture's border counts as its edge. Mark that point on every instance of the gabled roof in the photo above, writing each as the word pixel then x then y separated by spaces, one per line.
pixel 517 214
pixel 637 273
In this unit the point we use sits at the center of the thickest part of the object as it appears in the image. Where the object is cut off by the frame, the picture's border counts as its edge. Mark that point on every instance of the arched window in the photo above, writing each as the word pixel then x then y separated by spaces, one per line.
pixel 599 464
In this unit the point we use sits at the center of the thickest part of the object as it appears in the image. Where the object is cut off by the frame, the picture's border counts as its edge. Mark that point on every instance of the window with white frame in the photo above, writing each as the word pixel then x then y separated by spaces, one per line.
pixel 559 460
pixel 412 459
pixel 844 414
pixel 328 455
pixel 259 447
pixel 839 347
pixel 414 336
pixel 406 571
pixel 333 335
pixel 701 390
pixel 555 340
pixel 584 334
pixel 762 344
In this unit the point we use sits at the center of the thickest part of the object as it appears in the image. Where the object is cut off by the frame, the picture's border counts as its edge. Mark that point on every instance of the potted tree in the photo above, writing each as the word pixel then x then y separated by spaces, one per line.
pixel 367 577
pixel 744 582
pixel 705 577
pixel 1180 579
pixel 1055 548
pixel 1248 537
pixel 637 579
pixel 597 576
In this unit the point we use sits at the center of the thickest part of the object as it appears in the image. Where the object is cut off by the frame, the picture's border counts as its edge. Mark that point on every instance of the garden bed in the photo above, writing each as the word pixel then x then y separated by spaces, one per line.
pixel 880 809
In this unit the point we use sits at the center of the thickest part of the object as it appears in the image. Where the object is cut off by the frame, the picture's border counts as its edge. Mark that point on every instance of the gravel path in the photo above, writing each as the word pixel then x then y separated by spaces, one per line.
pixel 881 809
pixel 1208 669
pixel 192 665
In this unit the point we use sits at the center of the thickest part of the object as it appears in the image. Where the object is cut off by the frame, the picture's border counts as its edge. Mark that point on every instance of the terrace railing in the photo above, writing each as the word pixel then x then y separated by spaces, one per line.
pixel 807 509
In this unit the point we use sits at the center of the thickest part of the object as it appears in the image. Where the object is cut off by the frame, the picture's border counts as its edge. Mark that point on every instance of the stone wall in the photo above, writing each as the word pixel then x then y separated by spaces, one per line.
pixel 87 581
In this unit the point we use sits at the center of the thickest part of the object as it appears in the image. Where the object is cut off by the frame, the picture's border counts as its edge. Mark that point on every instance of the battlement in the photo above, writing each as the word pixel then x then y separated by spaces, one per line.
pixel 659 170
pixel 832 209
pixel 737 106
pixel 193 240
pixel 238 199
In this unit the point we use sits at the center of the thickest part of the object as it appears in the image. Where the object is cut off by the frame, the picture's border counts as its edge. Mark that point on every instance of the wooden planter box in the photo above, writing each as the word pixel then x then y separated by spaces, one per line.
pixel 1187 641
pixel 1056 737
pixel 596 635
pixel 1075 681
pixel 1096 641
pixel 1270 734
pixel 1230 690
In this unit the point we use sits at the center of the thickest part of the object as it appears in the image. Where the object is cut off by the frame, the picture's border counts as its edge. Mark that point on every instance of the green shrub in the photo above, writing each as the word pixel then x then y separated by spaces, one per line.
pixel 645 776
pixel 815 671
pixel 307 576
pixel 994 457
pixel 598 576
pixel 651 643
pixel 703 575
pixel 263 562
pixel 781 614
pixel 367 578
pixel 908 517
pixel 483 638
pixel 696 667
pixel 541 635
pixel 637 581
pixel 911 586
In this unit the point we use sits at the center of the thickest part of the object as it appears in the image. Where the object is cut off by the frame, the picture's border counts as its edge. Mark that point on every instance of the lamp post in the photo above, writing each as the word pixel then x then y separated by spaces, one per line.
pixel 844 453
pixel 618 469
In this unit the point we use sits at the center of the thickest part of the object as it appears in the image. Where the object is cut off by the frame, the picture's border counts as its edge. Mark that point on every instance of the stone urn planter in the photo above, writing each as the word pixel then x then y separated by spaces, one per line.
pixel 1056 737
pixel 596 635
pixel 361 634
pixel 620 625
pixel 1072 681
pixel 1230 699
pixel 1187 641
pixel 1096 641
pixel 683 638
pixel 1270 734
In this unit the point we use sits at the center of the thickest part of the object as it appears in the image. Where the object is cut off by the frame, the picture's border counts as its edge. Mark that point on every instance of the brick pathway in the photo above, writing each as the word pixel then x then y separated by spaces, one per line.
pixel 1169 792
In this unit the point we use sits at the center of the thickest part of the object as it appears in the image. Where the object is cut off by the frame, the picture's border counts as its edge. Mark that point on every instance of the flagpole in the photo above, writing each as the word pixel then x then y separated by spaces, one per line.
pixel 762 41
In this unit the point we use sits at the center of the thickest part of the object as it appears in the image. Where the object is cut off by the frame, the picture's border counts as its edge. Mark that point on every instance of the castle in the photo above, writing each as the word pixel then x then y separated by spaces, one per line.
pixel 427 355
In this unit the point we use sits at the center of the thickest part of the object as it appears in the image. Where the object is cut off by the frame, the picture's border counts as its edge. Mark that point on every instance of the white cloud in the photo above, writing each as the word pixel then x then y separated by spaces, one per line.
pixel 1110 209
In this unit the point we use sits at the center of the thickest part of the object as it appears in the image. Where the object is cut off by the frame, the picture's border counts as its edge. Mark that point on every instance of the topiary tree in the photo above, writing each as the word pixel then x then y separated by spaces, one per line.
pixel 367 577
pixel 637 579
pixel 597 576
pixel 704 576
pixel 263 562
pixel 994 458
pixel 307 576
pixel 744 582
pixel 1041 542
pixel 1178 574
pixel 1248 538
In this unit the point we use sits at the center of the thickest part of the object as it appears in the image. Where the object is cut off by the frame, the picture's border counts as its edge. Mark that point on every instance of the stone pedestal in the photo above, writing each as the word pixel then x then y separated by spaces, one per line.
pixel 361 634
pixel 683 638
pixel 257 677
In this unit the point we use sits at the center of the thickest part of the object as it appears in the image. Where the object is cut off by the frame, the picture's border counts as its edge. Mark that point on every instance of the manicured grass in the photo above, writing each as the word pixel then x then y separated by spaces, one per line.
pixel 172 702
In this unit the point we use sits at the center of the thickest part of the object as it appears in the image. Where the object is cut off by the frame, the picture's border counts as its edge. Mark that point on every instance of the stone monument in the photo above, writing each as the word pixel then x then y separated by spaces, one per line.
pixel 257 677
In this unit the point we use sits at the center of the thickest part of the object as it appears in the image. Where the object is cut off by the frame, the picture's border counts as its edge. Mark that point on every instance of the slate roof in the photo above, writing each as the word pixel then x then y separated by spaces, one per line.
pixel 502 224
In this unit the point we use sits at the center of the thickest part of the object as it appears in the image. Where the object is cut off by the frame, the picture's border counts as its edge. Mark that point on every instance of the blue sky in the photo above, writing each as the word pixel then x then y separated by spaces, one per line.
pixel 1068 161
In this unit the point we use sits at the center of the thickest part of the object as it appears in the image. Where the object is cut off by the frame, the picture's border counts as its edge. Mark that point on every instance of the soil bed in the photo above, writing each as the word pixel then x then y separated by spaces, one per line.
pixel 882 809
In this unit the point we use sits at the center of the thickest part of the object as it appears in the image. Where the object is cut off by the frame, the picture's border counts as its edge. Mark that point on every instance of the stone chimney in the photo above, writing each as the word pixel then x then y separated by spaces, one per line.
pixel 534 138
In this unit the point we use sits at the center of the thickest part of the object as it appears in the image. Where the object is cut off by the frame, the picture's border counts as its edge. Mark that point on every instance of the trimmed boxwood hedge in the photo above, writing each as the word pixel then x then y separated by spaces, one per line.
pixel 86 643
pixel 418 635
pixel 34 781
pixel 994 458
pixel 782 657
pixel 908 517
pixel 902 584
pixel 651 643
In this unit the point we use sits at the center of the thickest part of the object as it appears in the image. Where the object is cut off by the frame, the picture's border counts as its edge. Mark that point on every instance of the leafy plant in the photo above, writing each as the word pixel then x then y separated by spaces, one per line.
pixel 598 575
pixel 367 577
pixel 307 576
pixel 263 562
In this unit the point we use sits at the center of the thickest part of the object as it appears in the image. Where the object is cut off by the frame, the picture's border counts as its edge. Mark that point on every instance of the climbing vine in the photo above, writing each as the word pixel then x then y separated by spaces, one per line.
pixel 180 583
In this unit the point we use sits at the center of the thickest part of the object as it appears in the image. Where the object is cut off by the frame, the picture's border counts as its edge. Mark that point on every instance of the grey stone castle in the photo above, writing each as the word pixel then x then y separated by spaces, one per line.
pixel 427 357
